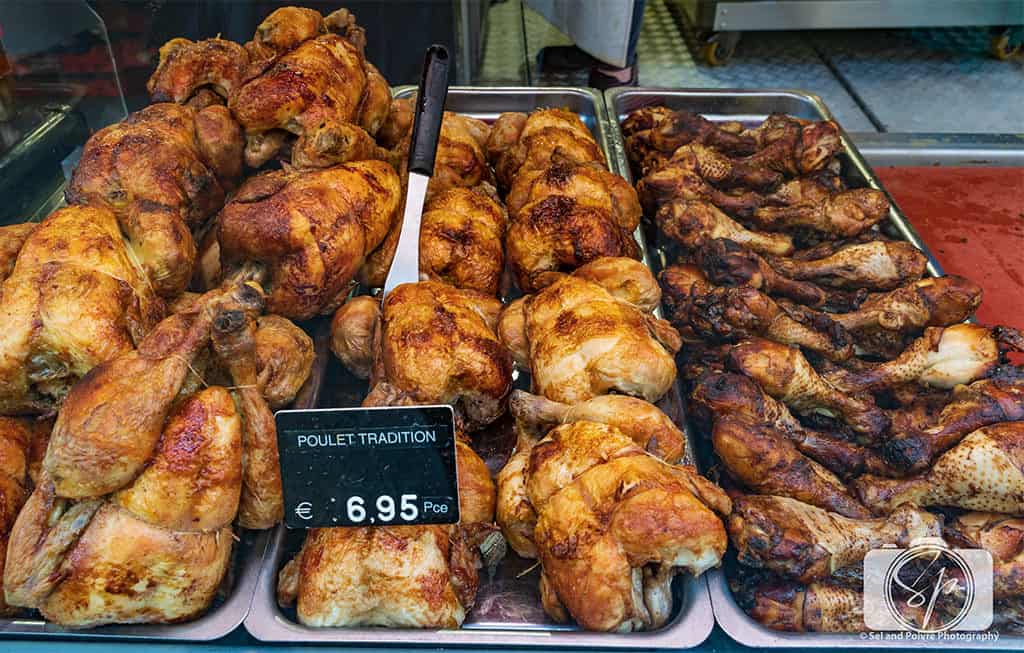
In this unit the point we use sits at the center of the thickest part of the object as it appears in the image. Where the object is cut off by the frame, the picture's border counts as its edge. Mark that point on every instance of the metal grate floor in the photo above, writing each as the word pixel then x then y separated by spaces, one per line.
pixel 873 80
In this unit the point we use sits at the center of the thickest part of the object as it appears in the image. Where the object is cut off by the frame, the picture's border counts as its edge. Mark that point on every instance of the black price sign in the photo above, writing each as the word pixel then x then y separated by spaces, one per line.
pixel 368 466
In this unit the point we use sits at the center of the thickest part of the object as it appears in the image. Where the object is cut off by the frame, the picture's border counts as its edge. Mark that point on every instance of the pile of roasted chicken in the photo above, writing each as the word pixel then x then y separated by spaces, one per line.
pixel 846 402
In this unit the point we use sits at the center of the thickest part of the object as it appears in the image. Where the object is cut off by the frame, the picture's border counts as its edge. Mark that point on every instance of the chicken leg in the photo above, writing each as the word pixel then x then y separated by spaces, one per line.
pixel 807 543
pixel 764 460
pixel 843 214
pixel 878 265
pixel 985 471
pixel 692 223
pixel 721 171
pixel 785 374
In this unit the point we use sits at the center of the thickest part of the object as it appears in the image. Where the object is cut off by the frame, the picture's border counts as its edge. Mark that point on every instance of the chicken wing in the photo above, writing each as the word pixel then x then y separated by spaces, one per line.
pixel 162 171
pixel 984 471
pixel 311 231
pixel 807 543
pixel 187 67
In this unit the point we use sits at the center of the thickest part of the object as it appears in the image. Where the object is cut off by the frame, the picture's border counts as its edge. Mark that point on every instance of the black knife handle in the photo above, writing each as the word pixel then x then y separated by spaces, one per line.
pixel 429 110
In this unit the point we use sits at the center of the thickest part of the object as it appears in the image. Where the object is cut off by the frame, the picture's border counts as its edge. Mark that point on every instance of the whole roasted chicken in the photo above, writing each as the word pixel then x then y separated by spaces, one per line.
pixel 428 343
pixel 396 576
pixel 22 442
pixel 138 485
pixel 613 525
pixel 520 142
pixel 162 171
pixel 580 340
pixel 77 297
pixel 308 232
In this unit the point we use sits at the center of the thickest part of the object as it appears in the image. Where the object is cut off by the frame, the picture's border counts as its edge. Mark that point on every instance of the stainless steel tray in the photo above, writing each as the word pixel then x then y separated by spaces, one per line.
pixel 753 107
pixel 507 610
pixel 236 592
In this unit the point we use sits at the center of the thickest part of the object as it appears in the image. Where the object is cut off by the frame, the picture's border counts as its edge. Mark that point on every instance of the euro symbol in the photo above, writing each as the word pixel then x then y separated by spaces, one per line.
pixel 304 510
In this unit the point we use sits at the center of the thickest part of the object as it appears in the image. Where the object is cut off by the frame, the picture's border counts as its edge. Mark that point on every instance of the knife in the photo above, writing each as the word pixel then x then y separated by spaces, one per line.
pixel 433 90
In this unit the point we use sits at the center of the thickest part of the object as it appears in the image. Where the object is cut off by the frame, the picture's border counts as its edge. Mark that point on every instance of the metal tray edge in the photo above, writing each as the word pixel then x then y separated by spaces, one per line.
pixel 689 630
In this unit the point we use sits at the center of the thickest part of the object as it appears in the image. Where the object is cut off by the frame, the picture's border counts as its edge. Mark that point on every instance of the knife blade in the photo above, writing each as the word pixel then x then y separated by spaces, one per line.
pixel 430 99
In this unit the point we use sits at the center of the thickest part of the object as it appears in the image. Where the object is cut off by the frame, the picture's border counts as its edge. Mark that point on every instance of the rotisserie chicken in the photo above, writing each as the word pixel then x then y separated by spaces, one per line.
pixel 692 223
pixel 613 526
pixel 519 143
pixel 806 543
pixel 589 184
pixel 162 171
pixel 75 299
pixel 580 341
pixel 322 90
pixel 785 374
pixel 432 342
pixel 396 576
pixel 12 237
pixel 309 231
pixel 724 314
pixel 876 265
pixel 18 446
pixel 984 471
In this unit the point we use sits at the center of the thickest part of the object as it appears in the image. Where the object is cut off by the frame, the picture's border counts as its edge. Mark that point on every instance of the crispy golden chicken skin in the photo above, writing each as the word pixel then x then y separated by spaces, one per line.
pixel 12 237
pixel 19 451
pixel 437 343
pixel 582 341
pixel 397 576
pixel 518 142
pixel 311 230
pixel 162 171
pixel 613 525
pixel 75 298
pixel 186 67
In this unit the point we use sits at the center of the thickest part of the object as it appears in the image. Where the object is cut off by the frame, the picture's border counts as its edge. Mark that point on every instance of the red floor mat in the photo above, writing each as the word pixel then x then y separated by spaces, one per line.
pixel 973 221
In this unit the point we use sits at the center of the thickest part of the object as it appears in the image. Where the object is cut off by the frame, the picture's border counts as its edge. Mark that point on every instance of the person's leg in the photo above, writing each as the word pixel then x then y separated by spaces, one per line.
pixel 604 76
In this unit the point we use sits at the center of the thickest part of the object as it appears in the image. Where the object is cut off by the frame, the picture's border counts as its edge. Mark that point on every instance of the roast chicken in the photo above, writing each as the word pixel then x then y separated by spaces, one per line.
pixel 519 143
pixel 654 133
pixel 137 485
pixel 692 223
pixel 77 297
pixel 162 171
pixel 431 343
pixel 808 543
pixel 877 265
pixel 308 231
pixel 580 341
pixel 397 576
pixel 984 471
pixel 22 442
pixel 613 526
pixel 12 237
pixel 1003 537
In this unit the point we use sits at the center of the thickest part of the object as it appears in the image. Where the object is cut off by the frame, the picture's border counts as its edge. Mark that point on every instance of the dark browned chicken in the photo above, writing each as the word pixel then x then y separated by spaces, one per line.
pixel 432 343
pixel 943 357
pixel 807 543
pixel 787 605
pixel 764 460
pixel 982 403
pixel 309 231
pixel 1000 535
pixel 76 298
pixel 785 374
pixel 727 263
pixel 673 182
pixel 721 171
pixel 724 314
pixel 162 171
pixel 886 321
pixel 984 471
pixel 843 214
pixel 876 265
pixel 793 146
pixel 721 393
pixel 693 223
pixel 654 133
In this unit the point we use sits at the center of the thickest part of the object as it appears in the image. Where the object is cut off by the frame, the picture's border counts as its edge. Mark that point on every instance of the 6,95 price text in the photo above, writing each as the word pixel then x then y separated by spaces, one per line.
pixel 406 509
